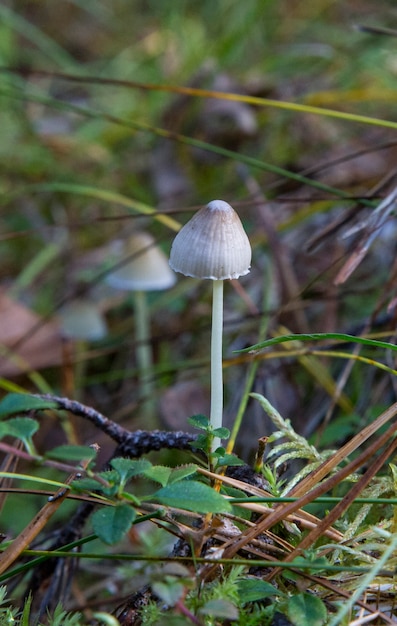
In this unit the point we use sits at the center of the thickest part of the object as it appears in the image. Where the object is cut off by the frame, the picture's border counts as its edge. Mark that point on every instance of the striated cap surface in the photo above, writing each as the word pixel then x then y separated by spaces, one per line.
pixel 213 244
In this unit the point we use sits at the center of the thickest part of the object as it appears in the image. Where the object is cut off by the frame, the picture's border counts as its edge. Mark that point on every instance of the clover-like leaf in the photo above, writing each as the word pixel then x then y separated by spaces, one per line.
pixel 304 608
pixel 111 523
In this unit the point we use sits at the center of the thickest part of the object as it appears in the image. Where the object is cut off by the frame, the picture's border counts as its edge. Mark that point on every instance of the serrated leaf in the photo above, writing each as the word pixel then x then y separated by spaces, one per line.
pixel 201 443
pixel 111 476
pixel 166 475
pixel 199 421
pixel 22 427
pixel 220 608
pixel 254 589
pixel 307 609
pixel 193 496
pixel 159 473
pixel 90 484
pixel 22 402
pixel 127 468
pixel 179 473
pixel 71 453
pixel 220 451
pixel 112 522
pixel 222 433
pixel 230 460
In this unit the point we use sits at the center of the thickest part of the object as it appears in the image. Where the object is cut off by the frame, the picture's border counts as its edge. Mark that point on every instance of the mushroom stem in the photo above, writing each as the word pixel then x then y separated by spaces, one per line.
pixel 216 359
pixel 144 353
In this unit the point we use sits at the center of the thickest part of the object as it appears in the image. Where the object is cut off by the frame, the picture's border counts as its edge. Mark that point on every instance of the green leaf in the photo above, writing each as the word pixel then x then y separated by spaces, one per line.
pixel 393 470
pixel 62 618
pixel 127 468
pixel 229 459
pixel 22 427
pixel 24 619
pixel 169 590
pixel 304 563
pixel 254 589
pixel 179 473
pixel 87 484
pixel 22 402
pixel 90 484
pixel 201 443
pixel 307 609
pixel 193 496
pixel 340 429
pixel 112 522
pixel 199 421
pixel 166 475
pixel 220 608
pixel 222 433
pixel 159 473
pixel 71 453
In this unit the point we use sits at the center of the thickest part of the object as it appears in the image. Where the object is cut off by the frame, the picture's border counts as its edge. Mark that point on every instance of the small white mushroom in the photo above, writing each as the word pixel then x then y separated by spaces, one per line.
pixel 140 266
pixel 213 245
pixel 82 320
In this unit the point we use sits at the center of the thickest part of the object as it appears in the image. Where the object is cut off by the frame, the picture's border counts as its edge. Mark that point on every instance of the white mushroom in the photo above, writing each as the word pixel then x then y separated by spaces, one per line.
pixel 213 245
pixel 141 266
pixel 82 320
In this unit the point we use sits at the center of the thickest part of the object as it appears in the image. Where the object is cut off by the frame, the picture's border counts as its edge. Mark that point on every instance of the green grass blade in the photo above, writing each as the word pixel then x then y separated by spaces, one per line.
pixel 43 42
pixel 109 196
pixel 197 143
pixel 340 337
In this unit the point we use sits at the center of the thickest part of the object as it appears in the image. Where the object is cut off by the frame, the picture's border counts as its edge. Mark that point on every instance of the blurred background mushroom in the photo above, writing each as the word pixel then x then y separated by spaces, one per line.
pixel 81 321
pixel 141 266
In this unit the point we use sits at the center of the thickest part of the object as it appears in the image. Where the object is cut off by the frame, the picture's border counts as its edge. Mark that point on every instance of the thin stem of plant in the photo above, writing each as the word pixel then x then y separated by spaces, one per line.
pixel 216 359
pixel 144 355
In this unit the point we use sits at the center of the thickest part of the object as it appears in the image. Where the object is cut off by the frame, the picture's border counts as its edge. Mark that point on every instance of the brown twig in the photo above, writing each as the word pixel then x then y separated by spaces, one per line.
pixel 132 444
pixel 280 512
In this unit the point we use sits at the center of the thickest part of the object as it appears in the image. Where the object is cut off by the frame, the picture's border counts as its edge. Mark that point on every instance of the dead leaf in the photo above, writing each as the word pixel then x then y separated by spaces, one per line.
pixel 41 348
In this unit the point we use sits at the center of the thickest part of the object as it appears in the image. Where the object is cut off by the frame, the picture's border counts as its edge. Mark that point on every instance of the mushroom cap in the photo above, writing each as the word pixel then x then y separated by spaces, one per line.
pixel 81 319
pixel 213 244
pixel 147 270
